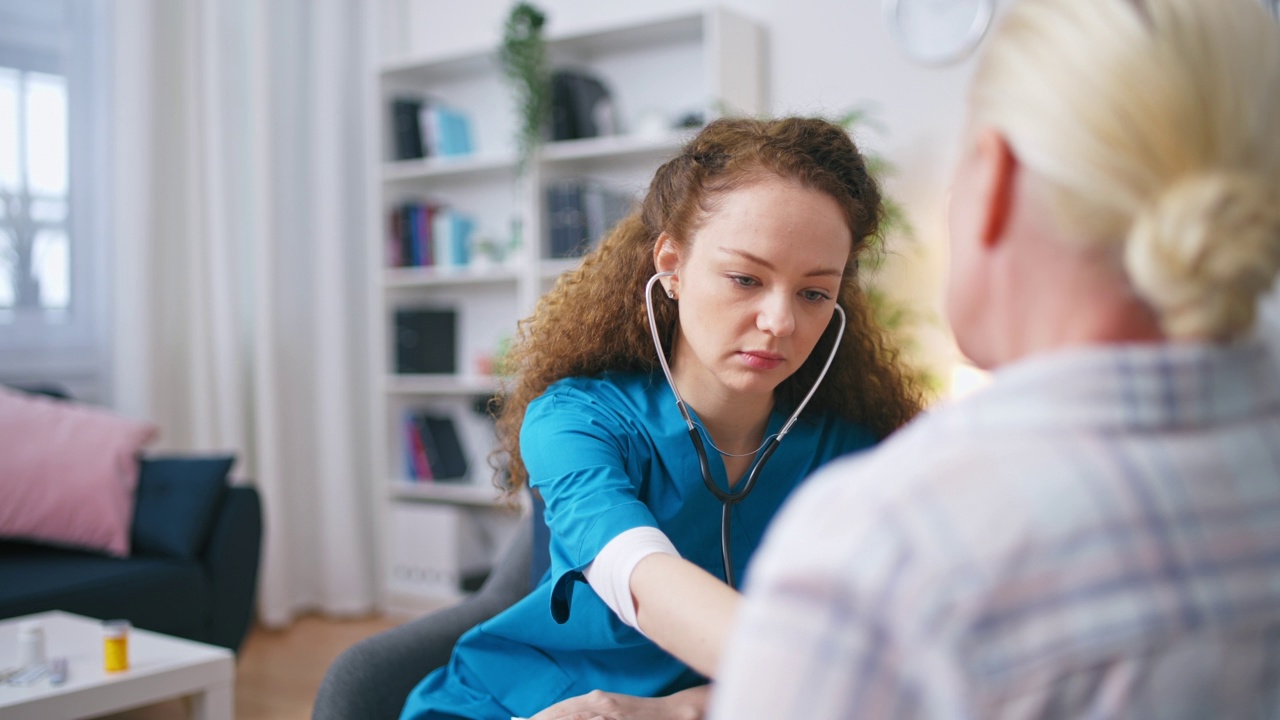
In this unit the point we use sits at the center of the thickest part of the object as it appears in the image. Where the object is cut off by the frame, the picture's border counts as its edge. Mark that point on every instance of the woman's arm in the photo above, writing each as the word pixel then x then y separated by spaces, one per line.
pixel 575 458
pixel 686 610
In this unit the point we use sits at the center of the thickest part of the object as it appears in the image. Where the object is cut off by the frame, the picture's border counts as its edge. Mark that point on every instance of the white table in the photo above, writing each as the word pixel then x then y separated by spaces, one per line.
pixel 160 668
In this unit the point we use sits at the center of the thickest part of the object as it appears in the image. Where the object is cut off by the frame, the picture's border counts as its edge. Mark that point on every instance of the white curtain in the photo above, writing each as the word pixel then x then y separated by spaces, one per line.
pixel 240 215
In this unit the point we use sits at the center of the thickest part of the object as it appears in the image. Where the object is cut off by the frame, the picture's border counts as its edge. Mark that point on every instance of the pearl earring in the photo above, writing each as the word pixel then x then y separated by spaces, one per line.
pixel 671 294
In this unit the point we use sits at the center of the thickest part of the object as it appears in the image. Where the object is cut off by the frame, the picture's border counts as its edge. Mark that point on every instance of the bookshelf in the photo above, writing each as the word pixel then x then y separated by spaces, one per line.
pixel 435 536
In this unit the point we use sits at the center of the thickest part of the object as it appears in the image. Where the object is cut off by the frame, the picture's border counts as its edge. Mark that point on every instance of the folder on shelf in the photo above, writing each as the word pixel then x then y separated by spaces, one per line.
pixel 568 227
pixel 451 238
pixel 437 436
pixel 581 106
pixel 395 231
pixel 416 464
pixel 446 130
pixel 406 129
pixel 425 340
pixel 602 208
pixel 580 211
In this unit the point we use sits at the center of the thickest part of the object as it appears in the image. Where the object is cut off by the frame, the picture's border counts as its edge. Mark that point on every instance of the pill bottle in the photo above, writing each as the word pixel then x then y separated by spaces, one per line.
pixel 31 644
pixel 115 645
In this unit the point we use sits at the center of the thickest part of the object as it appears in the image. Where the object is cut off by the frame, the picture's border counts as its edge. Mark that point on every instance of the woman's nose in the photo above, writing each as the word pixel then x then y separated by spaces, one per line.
pixel 776 316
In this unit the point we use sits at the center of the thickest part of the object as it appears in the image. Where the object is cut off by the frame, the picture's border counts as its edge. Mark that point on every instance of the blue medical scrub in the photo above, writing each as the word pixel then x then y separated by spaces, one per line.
pixel 610 453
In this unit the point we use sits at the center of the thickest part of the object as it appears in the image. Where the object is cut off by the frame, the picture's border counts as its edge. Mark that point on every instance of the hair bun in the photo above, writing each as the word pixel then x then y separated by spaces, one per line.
pixel 1204 252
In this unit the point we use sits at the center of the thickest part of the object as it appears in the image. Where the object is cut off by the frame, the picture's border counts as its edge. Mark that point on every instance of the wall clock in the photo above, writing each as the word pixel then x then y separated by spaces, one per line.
pixel 937 32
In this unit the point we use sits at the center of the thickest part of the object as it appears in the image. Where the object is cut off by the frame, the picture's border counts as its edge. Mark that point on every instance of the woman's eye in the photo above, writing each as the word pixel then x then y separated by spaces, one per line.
pixel 816 296
pixel 743 280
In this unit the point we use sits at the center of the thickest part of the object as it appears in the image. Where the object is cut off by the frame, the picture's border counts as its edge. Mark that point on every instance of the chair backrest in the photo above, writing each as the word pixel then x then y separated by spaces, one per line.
pixel 540 558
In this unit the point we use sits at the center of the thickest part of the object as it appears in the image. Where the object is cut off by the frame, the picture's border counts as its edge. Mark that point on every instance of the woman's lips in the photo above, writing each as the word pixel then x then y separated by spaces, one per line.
pixel 761 360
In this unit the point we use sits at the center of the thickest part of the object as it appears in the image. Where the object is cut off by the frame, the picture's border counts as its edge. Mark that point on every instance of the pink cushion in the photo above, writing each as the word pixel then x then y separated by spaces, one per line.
pixel 68 472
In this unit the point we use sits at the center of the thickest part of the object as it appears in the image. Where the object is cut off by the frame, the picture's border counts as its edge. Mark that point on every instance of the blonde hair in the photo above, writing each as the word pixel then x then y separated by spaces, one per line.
pixel 1156 124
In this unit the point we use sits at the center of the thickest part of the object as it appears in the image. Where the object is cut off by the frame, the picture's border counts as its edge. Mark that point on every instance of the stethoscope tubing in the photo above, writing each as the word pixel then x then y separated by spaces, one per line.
pixel 729 498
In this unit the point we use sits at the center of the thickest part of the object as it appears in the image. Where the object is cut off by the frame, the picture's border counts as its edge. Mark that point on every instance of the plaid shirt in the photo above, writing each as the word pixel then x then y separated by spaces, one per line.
pixel 1096 534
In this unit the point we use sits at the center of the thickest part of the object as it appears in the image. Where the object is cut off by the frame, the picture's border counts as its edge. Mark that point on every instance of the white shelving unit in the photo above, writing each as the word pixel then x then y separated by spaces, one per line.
pixel 436 534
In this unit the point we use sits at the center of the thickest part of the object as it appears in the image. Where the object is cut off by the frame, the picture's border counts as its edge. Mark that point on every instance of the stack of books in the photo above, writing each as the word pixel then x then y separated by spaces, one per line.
pixel 433 452
pixel 579 213
pixel 422 234
pixel 424 127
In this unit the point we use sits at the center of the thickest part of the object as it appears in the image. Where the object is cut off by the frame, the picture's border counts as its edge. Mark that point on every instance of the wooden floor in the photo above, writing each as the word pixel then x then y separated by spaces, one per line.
pixel 278 671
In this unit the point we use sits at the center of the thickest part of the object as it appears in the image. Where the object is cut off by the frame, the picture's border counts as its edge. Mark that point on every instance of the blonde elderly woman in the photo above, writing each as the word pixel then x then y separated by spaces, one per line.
pixel 1097 534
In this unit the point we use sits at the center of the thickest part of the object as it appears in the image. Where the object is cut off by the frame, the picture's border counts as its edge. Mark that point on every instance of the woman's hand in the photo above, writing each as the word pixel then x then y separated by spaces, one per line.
pixel 600 705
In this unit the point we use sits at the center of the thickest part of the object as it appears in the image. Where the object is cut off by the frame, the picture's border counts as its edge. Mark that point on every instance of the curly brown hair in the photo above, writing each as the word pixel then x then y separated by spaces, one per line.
pixel 594 319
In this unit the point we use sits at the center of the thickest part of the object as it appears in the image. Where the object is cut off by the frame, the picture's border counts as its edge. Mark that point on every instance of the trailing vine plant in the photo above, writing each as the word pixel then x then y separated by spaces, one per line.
pixel 523 56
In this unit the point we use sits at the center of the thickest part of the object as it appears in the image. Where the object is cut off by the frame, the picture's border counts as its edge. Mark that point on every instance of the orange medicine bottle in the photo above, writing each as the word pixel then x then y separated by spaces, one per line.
pixel 115 645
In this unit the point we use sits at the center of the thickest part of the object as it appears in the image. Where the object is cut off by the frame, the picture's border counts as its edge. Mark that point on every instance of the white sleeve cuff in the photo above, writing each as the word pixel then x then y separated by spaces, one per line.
pixel 610 573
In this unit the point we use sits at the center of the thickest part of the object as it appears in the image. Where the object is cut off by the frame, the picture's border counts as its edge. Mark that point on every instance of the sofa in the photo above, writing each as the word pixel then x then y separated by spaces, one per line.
pixel 208 597
pixel 371 679
pixel 186 559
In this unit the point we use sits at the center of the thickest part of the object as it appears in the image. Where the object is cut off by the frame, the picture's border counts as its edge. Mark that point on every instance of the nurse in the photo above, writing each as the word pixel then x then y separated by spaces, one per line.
pixel 757 228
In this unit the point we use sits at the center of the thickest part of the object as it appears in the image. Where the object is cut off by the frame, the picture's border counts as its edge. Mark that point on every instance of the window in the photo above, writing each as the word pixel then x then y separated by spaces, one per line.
pixel 54 239
pixel 35 266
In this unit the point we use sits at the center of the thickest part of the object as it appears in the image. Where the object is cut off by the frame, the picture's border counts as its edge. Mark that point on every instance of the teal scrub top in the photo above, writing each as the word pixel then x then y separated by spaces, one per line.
pixel 607 454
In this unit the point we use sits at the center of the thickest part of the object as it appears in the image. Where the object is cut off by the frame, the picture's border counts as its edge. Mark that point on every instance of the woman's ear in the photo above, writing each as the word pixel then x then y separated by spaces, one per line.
pixel 666 258
pixel 997 174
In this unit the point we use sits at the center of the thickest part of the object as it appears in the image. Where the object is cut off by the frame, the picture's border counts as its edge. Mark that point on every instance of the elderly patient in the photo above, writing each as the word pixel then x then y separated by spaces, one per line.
pixel 1096 534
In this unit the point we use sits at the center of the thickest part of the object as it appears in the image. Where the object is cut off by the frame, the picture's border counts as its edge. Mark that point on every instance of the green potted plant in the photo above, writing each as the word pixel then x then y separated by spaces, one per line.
pixel 523 56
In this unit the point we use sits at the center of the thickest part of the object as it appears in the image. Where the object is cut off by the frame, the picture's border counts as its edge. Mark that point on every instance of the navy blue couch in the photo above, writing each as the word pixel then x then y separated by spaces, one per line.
pixel 193 572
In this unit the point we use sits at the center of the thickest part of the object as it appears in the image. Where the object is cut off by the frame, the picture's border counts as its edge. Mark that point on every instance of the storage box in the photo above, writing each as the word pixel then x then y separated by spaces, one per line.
pixel 435 550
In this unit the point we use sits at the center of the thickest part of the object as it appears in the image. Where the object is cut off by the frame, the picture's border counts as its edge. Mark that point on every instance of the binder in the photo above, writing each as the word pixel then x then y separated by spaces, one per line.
pixel 406 129
pixel 426 340
pixel 443 449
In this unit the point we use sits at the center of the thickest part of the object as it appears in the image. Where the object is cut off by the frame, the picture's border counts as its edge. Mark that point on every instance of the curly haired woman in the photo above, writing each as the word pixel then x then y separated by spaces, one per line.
pixel 754 233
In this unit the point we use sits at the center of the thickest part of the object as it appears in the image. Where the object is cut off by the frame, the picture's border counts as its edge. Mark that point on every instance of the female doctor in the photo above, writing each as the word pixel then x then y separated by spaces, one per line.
pixel 740 268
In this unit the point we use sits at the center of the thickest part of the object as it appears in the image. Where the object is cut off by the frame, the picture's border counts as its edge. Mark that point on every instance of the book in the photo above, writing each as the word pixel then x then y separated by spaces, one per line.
pixel 439 438
pixel 451 233
pixel 422 237
pixel 417 466
pixel 410 241
pixel 406 131
pixel 602 208
pixel 447 131
pixel 411 235
pixel 580 211
pixel 395 231
pixel 568 227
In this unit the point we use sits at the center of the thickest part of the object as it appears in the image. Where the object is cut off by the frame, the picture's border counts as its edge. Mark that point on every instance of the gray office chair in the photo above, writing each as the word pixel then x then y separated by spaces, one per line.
pixel 371 679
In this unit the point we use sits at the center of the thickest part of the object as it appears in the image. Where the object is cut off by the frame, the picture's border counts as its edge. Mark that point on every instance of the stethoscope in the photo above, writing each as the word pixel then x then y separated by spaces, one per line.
pixel 729 498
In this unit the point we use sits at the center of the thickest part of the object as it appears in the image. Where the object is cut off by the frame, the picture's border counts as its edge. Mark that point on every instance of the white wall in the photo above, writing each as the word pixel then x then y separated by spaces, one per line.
pixel 825 57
